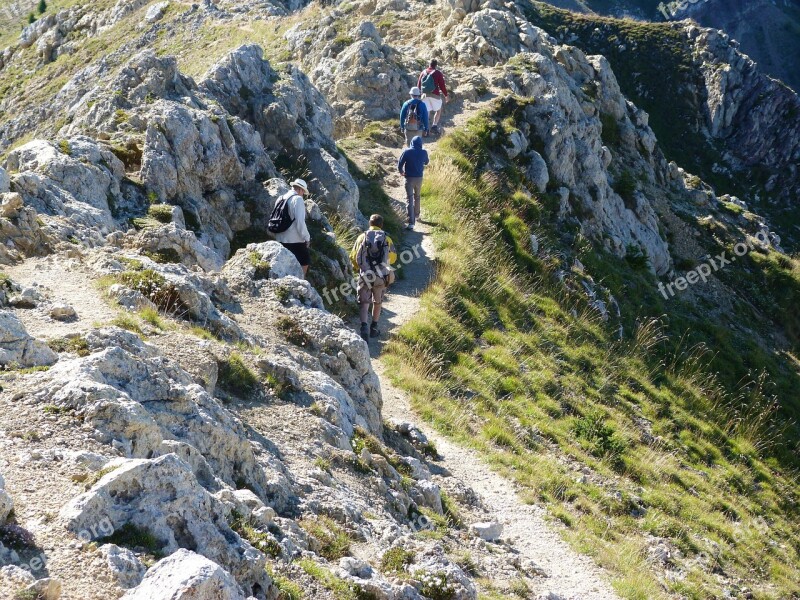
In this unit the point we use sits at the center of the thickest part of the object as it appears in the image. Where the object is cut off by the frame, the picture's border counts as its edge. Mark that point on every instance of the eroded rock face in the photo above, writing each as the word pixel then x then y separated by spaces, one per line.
pixel 139 402
pixel 20 349
pixel 565 131
pixel 163 497
pixel 75 180
pixel 754 115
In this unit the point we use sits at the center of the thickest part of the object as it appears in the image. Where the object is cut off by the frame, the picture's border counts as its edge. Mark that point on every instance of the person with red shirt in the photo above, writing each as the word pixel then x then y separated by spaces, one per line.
pixel 431 82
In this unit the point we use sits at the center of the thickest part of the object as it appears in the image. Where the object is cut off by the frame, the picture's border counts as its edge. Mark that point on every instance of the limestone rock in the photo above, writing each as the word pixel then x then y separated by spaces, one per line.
pixel 164 497
pixel 487 531
pixel 62 312
pixel 536 171
pixel 156 12
pixel 17 347
pixel 126 569
pixel 6 502
pixel 185 575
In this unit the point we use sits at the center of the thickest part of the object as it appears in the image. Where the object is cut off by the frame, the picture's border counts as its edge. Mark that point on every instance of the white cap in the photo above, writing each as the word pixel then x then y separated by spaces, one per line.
pixel 415 91
pixel 300 183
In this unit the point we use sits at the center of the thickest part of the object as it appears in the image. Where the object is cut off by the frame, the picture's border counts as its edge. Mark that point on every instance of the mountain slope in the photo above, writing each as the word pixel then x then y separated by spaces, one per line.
pixel 178 399
pixel 767 30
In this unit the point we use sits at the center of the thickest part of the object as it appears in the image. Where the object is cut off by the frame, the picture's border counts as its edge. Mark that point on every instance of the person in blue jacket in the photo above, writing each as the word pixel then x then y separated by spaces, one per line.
pixel 412 166
pixel 413 116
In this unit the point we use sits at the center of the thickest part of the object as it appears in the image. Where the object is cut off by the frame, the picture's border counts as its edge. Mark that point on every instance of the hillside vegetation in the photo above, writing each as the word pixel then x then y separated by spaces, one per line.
pixel 657 454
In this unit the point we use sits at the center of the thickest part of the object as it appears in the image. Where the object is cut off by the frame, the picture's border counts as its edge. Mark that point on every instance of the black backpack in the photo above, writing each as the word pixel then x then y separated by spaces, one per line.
pixel 280 220
pixel 373 255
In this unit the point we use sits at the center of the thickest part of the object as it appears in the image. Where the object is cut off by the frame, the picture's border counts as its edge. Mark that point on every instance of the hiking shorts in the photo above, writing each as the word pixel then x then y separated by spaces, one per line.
pixel 373 292
pixel 433 102
pixel 301 253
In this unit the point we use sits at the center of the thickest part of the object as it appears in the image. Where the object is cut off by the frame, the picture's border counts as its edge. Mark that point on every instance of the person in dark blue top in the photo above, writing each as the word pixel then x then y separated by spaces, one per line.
pixel 412 166
pixel 413 116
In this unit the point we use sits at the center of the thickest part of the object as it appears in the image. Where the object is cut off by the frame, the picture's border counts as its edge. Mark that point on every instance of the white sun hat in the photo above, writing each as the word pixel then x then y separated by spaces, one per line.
pixel 300 183
pixel 415 91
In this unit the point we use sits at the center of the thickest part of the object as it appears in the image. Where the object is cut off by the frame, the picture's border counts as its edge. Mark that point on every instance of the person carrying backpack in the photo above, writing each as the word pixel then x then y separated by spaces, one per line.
pixel 412 166
pixel 288 223
pixel 413 116
pixel 431 83
pixel 372 256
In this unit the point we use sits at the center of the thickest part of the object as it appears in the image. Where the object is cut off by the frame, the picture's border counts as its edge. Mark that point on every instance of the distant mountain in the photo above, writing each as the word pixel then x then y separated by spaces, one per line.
pixel 767 30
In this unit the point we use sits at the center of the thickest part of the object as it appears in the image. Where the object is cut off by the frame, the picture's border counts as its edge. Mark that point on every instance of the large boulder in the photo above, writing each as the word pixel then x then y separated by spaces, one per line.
pixel 186 575
pixel 75 179
pixel 17 348
pixel 163 497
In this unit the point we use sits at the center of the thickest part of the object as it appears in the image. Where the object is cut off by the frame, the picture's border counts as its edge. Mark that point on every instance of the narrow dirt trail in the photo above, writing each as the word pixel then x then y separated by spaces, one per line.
pixel 568 575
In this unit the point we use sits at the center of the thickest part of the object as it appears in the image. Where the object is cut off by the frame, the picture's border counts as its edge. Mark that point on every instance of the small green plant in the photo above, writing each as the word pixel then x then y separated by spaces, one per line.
pixel 164 256
pixel 625 185
pixel 128 322
pixel 395 560
pixel 636 257
pixel 75 344
pixel 262 267
pixel 52 409
pixel 65 148
pixel 323 464
pixel 120 116
pixel 258 539
pixel 435 585
pixel 341 589
pixel 134 537
pixel 97 476
pixel 236 377
pixel 31 19
pixel 610 134
pixel 27 594
pixel 151 317
pixel 42 7
pixel 334 542
pixel 156 288
pixel 292 331
pixel 287 589
pixel 598 435
pixel 160 212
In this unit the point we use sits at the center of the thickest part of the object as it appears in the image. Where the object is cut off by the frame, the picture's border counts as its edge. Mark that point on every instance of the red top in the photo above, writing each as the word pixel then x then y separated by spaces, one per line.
pixel 438 79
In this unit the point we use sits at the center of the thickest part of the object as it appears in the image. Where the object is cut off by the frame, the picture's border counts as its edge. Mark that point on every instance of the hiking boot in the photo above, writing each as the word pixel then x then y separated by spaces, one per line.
pixel 365 332
pixel 374 332
pixel 410 227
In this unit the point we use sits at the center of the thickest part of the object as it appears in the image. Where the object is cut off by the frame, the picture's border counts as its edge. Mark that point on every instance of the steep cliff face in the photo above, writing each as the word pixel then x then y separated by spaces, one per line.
pixel 766 29
pixel 713 110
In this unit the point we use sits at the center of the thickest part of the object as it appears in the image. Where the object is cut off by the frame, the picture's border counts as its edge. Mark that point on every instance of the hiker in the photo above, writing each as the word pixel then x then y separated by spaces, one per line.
pixel 431 83
pixel 372 256
pixel 412 166
pixel 413 116
pixel 288 223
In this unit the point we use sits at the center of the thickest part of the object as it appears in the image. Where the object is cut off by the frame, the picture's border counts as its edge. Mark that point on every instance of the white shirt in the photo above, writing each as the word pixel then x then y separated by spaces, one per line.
pixel 297 232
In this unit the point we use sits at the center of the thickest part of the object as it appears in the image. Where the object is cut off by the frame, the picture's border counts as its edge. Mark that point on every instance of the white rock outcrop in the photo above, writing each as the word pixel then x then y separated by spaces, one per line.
pixel 185 575
pixel 20 349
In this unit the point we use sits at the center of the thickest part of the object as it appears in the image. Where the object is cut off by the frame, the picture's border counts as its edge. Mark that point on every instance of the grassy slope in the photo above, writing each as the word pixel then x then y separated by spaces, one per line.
pixel 659 76
pixel 503 358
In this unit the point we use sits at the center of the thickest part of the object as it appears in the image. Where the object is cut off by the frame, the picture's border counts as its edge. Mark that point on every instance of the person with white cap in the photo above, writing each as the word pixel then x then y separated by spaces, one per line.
pixel 413 116
pixel 288 223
